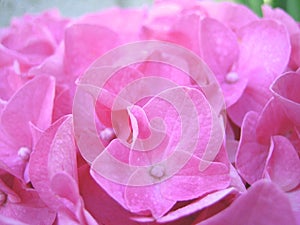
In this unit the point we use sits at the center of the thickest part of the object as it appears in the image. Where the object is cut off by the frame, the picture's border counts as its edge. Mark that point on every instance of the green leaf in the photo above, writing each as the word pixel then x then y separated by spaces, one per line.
pixel 293 8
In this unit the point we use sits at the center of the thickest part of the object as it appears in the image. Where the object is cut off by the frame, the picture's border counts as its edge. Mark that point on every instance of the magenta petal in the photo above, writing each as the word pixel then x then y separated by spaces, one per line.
pixel 32 103
pixel 251 156
pixel 286 90
pixel 284 164
pixel 263 204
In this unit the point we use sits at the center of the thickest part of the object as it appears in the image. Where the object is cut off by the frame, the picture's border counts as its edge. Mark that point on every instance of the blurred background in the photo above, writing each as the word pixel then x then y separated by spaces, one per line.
pixel 72 8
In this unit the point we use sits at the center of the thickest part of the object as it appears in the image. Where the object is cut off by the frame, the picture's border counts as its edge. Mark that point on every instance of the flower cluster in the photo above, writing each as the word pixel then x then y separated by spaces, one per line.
pixel 183 112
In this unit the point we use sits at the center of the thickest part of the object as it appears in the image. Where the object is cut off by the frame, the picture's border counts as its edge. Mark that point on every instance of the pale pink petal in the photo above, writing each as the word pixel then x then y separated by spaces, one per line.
pixel 284 165
pixel 32 103
pixel 259 206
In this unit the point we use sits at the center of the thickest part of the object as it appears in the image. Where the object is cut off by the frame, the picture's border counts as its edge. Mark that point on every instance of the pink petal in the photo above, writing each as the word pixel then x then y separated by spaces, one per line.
pixel 139 199
pixel 252 99
pixel 196 205
pixel 274 121
pixel 236 180
pixel 263 44
pixel 128 31
pixel 219 46
pixel 55 152
pixel 258 206
pixel 32 103
pixel 10 221
pixel 294 197
pixel 295 54
pixel 251 156
pixel 284 165
pixel 66 188
pixel 10 81
pixel 102 207
pixel 79 53
pixel 190 182
pixel 233 15
pixel 28 206
pixel 282 17
pixel 286 90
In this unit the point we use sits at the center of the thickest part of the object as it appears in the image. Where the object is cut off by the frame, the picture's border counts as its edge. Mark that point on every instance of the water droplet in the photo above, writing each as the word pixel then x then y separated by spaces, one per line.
pixel 24 153
pixel 232 77
pixel 157 171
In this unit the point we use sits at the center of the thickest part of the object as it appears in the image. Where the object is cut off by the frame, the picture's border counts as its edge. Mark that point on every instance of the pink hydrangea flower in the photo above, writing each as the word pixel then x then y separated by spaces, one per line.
pixel 132 114
pixel 142 104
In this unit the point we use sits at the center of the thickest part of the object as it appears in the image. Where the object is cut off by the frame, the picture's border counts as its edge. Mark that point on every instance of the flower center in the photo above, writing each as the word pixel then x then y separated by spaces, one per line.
pixel 3 198
pixel 157 171
pixel 107 134
pixel 231 77
pixel 24 153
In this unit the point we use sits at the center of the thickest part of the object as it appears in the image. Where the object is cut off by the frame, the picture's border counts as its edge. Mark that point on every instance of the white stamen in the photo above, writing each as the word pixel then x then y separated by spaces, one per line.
pixel 157 171
pixel 232 77
pixel 16 67
pixel 24 153
pixel 107 134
